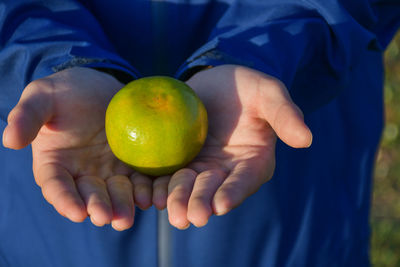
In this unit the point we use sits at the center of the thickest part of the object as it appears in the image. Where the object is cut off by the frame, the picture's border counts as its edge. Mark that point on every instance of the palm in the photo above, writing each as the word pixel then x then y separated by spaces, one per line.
pixel 64 116
pixel 76 140
pixel 236 139
pixel 90 157
pixel 246 110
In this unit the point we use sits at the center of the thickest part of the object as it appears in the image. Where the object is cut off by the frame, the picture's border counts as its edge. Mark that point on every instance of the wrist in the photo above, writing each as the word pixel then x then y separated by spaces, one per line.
pixel 185 76
pixel 121 76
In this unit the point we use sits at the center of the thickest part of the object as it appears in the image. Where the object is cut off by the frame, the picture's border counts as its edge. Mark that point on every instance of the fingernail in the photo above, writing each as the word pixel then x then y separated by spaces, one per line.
pixel 120 225
pixel 219 208
pixel 5 137
pixel 219 211
pixel 116 227
pixel 185 227
pixel 93 220
pixel 311 140
pixel 201 225
pixel 75 216
pixel 143 202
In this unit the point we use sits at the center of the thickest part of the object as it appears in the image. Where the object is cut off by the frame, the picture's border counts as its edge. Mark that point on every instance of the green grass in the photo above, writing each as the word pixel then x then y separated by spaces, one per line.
pixel 385 214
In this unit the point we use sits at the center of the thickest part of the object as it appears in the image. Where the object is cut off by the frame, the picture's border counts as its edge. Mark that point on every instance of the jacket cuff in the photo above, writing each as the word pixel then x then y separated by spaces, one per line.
pixel 108 62
pixel 211 56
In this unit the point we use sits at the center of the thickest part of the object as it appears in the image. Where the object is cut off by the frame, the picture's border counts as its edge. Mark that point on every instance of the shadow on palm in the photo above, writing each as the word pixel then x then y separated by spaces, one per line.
pixel 238 156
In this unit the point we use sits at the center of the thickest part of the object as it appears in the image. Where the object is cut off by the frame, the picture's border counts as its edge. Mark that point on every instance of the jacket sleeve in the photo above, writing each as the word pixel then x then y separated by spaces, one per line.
pixel 38 38
pixel 310 45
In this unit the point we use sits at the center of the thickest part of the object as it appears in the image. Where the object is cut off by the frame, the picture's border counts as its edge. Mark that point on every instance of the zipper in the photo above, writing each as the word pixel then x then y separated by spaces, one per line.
pixel 164 240
pixel 160 37
pixel 160 67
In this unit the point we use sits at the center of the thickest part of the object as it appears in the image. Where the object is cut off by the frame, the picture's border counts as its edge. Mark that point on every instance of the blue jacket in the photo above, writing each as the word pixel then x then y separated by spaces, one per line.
pixel 314 212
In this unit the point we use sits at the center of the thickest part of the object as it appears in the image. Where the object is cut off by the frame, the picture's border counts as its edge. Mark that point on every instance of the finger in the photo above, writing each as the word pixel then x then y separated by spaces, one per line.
pixel 142 190
pixel 283 115
pixel 179 190
pixel 121 195
pixel 205 186
pixel 160 192
pixel 33 110
pixel 244 180
pixel 59 189
pixel 93 190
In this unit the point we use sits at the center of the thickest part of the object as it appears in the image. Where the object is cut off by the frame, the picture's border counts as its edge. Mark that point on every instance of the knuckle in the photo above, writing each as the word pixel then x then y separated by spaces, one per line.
pixel 51 187
pixel 90 181
pixel 212 173
pixel 142 188
pixel 176 203
pixel 118 181
pixel 179 222
pixel 227 201
pixel 199 201
pixel 186 172
pixel 161 181
pixel 42 84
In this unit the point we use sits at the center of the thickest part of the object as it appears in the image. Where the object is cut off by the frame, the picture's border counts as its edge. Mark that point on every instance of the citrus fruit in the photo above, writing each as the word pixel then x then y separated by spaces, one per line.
pixel 156 125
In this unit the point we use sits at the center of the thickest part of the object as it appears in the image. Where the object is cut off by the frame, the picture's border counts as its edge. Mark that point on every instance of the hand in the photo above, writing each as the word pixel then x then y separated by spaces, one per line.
pixel 246 110
pixel 62 115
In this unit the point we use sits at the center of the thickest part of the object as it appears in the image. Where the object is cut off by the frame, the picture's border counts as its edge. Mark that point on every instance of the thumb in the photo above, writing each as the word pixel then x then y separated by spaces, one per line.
pixel 32 111
pixel 284 116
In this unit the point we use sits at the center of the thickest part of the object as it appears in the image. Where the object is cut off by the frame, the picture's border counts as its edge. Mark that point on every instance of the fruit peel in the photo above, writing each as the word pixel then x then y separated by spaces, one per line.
pixel 156 125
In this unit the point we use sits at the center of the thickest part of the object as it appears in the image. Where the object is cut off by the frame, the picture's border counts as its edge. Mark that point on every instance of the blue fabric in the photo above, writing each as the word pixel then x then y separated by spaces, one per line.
pixel 314 212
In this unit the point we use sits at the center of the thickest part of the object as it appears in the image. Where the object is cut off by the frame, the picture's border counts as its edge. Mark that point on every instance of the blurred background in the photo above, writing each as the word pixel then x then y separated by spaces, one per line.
pixel 385 215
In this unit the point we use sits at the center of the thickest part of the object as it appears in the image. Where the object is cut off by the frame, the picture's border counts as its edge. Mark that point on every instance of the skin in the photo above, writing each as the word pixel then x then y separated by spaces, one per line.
pixel 62 116
pixel 247 111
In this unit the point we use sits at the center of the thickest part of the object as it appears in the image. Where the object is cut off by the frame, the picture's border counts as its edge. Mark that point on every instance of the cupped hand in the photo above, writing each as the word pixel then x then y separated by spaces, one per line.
pixel 62 116
pixel 247 110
